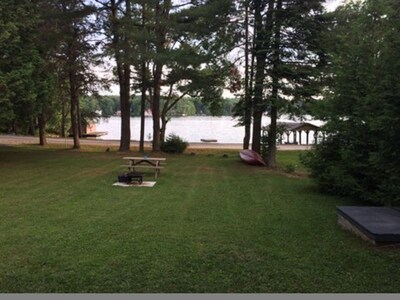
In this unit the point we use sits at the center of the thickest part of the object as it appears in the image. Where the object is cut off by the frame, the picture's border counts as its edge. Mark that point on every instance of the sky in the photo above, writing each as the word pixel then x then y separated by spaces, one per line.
pixel 332 4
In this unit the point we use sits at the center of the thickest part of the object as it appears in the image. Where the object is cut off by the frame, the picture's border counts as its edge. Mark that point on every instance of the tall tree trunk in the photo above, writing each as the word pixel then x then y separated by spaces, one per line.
pixel 73 82
pixel 260 53
pixel 247 97
pixel 142 107
pixel 125 109
pixel 81 130
pixel 155 107
pixel 31 127
pixel 42 129
pixel 162 13
pixel 164 121
pixel 144 84
pixel 121 49
pixel 271 156
pixel 63 117
pixel 263 34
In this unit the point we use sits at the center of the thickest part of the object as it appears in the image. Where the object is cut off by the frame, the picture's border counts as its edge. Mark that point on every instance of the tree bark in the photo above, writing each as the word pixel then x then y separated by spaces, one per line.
pixel 120 46
pixel 163 128
pixel 271 156
pixel 42 129
pixel 247 97
pixel 162 13
pixel 143 86
pixel 125 109
pixel 63 117
pixel 73 82
pixel 142 107
pixel 155 107
pixel 261 47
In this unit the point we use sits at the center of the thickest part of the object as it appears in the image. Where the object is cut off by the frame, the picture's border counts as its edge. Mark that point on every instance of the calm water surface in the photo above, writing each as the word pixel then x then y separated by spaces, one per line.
pixel 192 129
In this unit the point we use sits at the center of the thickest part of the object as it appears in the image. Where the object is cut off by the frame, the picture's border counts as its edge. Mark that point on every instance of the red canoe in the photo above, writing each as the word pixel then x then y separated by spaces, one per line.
pixel 251 157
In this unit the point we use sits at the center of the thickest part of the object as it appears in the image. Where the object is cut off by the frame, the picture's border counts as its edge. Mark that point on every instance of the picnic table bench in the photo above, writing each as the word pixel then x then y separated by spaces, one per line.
pixel 138 162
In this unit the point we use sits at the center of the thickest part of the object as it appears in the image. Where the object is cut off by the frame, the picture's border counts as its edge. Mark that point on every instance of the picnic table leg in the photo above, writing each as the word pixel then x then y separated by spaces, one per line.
pixel 157 169
pixel 132 166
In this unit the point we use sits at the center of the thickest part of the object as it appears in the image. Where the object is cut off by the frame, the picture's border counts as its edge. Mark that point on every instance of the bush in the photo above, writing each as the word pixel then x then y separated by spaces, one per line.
pixel 347 169
pixel 174 144
pixel 289 168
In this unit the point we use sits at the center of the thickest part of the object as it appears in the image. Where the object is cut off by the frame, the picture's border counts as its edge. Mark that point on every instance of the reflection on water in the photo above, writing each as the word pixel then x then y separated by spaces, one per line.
pixel 192 129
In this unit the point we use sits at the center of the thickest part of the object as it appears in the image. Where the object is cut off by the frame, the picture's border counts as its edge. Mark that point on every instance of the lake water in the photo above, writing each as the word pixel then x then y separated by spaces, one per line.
pixel 191 129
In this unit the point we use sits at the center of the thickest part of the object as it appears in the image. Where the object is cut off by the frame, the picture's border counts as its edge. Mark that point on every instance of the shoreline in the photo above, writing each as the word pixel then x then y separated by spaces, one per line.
pixel 20 139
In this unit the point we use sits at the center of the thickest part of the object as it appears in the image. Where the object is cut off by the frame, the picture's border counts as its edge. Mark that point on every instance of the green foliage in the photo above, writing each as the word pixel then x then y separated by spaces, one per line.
pixel 19 61
pixel 109 105
pixel 289 168
pixel 174 144
pixel 360 155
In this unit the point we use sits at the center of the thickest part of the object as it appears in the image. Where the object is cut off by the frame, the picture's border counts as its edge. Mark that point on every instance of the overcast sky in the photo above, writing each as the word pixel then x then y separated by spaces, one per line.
pixel 332 4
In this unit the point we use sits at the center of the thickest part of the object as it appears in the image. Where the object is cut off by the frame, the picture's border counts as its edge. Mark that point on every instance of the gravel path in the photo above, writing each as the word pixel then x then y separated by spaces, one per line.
pixel 17 139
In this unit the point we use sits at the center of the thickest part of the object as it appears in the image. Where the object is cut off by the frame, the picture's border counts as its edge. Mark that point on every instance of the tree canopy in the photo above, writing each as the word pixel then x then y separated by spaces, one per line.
pixel 360 155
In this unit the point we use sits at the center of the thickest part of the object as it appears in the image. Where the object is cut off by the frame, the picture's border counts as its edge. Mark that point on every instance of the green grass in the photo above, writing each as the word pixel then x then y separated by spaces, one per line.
pixel 211 224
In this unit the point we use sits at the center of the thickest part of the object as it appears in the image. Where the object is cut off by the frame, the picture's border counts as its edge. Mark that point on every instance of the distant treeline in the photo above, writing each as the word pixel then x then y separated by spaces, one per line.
pixel 110 105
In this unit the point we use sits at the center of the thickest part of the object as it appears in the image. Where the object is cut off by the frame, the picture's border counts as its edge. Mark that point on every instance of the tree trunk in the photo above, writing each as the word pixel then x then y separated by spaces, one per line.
pixel 142 108
pixel 163 128
pixel 155 108
pixel 31 128
pixel 256 143
pixel 144 84
pixel 73 82
pixel 125 109
pixel 63 118
pixel 261 46
pixel 42 130
pixel 271 157
pixel 121 48
pixel 81 130
pixel 247 97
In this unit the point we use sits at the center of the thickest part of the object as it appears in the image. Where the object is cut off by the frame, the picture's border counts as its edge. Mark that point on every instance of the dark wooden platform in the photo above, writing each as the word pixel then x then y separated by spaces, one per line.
pixel 378 225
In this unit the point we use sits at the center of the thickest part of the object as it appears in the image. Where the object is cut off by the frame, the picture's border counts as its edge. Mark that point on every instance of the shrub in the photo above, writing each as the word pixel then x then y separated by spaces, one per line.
pixel 174 144
pixel 289 168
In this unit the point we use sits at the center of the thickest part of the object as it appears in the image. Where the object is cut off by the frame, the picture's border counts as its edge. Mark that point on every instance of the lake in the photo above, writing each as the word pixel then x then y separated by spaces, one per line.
pixel 192 129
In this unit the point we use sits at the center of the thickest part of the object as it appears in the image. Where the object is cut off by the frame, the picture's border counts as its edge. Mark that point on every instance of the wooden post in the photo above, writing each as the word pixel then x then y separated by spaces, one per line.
pixel 300 137
pixel 287 136
pixel 307 132
pixel 294 137
pixel 316 137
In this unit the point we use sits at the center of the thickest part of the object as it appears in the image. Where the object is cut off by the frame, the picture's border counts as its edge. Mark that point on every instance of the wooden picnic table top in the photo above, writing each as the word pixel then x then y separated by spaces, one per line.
pixel 144 158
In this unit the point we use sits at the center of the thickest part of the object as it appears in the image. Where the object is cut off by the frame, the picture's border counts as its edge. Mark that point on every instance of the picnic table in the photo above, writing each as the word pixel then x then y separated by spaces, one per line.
pixel 137 162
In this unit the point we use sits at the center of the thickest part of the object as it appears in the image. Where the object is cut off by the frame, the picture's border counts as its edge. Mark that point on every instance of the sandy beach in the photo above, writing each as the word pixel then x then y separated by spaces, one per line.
pixel 17 139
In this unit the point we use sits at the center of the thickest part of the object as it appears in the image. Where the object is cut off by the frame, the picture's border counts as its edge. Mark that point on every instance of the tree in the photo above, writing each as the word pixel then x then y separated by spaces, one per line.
pixel 19 61
pixel 120 44
pixel 75 54
pixel 289 58
pixel 243 109
pixel 359 156
pixel 182 43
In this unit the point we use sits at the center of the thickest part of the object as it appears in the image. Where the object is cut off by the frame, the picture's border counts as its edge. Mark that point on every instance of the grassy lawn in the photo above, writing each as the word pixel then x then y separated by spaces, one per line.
pixel 211 224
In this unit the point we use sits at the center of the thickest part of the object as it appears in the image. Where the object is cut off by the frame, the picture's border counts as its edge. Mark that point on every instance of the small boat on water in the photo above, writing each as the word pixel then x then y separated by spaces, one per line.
pixel 251 157
pixel 208 140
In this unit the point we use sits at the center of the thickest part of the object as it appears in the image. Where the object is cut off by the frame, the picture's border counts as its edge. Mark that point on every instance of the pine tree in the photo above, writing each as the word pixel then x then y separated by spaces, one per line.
pixel 360 158
pixel 289 59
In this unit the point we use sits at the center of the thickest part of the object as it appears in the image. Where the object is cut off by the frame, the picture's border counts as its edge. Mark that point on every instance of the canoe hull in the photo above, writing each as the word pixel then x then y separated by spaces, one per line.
pixel 251 157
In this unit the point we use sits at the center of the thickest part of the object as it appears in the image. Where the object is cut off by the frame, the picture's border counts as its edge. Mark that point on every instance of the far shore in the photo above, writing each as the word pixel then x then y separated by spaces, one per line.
pixel 19 139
